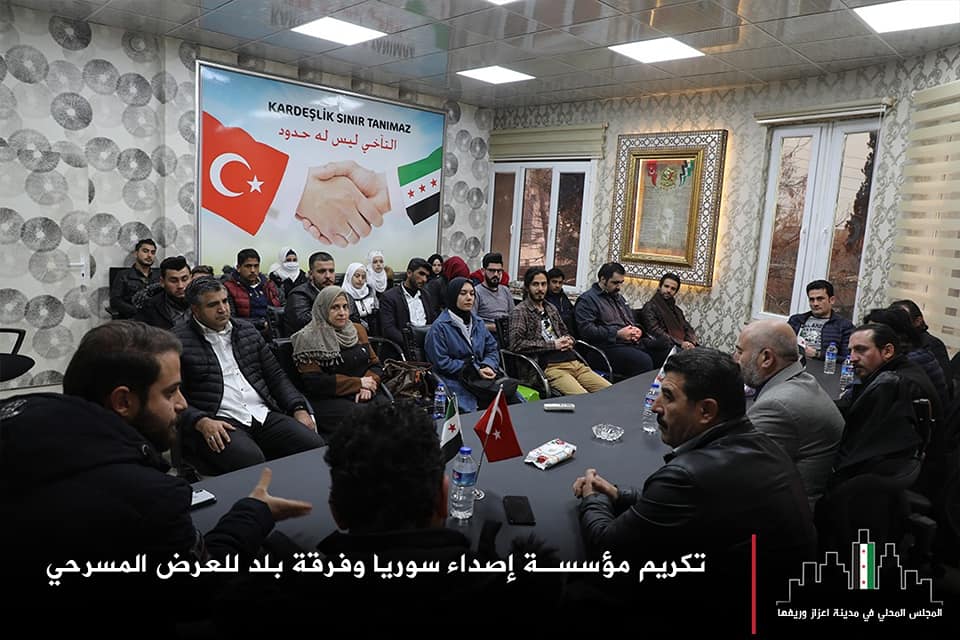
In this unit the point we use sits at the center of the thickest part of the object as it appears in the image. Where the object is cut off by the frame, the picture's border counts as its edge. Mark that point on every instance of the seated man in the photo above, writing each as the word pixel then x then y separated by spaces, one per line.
pixel 662 317
pixel 559 299
pixel 250 292
pixel 240 399
pixel 536 329
pixel 166 307
pixel 493 299
pixel 723 482
pixel 129 281
pixel 94 487
pixel 605 321
pixel 820 326
pixel 407 303
pixel 791 407
pixel 299 307
pixel 881 423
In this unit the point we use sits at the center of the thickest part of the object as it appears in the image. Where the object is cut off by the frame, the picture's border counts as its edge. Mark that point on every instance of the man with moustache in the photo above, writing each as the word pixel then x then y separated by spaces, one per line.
pixel 129 281
pixel 323 272
pixel 493 299
pixel 166 307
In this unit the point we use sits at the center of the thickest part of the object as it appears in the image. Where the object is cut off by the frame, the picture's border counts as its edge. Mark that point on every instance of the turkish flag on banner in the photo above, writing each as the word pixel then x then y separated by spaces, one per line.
pixel 495 430
pixel 239 176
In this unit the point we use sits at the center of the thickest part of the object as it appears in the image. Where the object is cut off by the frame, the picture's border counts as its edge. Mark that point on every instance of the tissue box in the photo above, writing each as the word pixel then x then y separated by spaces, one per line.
pixel 551 453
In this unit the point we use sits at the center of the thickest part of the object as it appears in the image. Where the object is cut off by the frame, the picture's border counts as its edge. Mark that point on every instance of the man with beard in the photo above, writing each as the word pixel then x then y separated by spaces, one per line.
pixel 537 330
pixel 408 303
pixel 723 482
pixel 493 301
pixel 83 479
pixel 250 292
pixel 168 305
pixel 791 407
pixel 662 317
pixel 129 281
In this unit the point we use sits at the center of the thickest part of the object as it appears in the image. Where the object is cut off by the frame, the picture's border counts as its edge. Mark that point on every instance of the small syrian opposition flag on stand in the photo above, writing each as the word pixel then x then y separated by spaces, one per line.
pixel 420 186
pixel 866 566
pixel 451 439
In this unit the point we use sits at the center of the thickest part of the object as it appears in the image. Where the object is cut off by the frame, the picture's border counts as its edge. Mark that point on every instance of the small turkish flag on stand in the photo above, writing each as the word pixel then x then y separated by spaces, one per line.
pixel 239 176
pixel 495 430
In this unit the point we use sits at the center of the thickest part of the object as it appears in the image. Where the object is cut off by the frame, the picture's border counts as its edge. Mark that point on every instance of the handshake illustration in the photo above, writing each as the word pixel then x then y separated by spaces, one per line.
pixel 342 202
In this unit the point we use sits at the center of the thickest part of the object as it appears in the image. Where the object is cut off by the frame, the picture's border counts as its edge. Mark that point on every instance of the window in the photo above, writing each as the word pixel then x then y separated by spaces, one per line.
pixel 541 216
pixel 815 217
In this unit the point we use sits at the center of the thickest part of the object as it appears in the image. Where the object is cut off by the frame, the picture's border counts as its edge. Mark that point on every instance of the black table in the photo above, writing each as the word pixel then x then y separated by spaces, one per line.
pixel 628 461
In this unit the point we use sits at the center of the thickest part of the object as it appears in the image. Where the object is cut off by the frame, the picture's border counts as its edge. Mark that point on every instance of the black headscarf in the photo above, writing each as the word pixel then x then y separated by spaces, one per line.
pixel 453 292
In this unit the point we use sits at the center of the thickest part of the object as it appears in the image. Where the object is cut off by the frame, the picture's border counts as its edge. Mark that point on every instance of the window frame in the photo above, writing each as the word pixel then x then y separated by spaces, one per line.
pixel 518 168
pixel 819 210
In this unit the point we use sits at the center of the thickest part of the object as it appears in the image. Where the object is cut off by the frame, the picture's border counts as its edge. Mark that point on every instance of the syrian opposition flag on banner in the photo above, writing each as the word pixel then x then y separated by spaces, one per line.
pixel 420 186
pixel 866 566
pixel 239 176
pixel 451 438
pixel 495 430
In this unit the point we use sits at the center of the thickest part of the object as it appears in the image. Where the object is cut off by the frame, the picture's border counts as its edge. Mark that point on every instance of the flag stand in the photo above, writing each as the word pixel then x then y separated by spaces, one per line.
pixel 478 494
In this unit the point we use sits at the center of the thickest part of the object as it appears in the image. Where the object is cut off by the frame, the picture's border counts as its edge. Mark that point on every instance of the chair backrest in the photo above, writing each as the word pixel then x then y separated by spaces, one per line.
pixel 14 365
pixel 414 338
pixel 502 334
pixel 876 501
pixel 278 327
pixel 282 349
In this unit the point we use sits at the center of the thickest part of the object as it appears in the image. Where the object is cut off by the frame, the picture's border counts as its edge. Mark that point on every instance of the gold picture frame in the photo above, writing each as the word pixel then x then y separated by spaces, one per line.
pixel 666 203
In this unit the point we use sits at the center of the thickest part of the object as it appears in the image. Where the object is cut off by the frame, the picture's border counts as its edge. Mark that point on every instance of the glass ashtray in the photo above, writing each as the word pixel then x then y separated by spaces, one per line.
pixel 608 432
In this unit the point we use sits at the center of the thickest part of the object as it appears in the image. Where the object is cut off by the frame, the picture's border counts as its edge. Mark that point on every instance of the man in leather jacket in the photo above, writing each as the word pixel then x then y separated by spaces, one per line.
pixel 723 482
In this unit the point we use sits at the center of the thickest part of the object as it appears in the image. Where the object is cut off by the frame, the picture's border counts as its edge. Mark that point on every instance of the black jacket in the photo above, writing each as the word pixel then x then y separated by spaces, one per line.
pixel 203 379
pixel 395 314
pixel 712 494
pixel 159 311
pixel 78 482
pixel 296 312
pixel 125 285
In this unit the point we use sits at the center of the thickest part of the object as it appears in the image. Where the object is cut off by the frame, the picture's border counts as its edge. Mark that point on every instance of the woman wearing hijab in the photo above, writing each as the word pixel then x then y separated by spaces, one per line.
pixel 454 267
pixel 364 299
pixel 458 339
pixel 436 265
pixel 379 276
pixel 338 366
pixel 286 273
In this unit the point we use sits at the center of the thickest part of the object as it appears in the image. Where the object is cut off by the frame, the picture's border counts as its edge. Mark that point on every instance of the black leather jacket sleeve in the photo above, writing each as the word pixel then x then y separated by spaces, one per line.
pixel 296 313
pixel 668 503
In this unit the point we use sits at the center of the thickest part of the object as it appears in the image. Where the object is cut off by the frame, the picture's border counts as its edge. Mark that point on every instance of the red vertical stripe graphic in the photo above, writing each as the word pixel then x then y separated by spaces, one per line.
pixel 753 584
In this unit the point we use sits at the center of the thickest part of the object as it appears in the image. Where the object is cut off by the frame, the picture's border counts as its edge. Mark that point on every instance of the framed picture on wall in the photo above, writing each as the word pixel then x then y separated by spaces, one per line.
pixel 666 203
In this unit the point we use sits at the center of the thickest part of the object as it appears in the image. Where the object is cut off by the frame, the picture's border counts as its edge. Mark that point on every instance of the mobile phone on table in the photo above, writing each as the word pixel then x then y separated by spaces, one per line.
pixel 518 510
pixel 202 497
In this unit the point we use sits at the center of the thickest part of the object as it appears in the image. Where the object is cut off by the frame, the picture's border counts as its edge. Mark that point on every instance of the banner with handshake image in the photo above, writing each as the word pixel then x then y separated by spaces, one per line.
pixel 285 164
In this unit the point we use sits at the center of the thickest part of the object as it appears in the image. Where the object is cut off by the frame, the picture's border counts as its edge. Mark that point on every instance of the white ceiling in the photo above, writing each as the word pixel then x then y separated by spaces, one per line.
pixel 561 42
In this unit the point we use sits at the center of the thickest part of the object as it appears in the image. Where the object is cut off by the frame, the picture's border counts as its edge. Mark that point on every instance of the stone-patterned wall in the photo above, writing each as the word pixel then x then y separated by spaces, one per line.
pixel 97 151
pixel 720 311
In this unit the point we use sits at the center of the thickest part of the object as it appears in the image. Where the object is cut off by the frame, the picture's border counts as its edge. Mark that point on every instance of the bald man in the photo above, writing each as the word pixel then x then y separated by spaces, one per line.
pixel 791 407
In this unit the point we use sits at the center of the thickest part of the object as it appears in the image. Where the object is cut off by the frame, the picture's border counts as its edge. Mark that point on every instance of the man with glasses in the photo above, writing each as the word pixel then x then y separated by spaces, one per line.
pixel 493 301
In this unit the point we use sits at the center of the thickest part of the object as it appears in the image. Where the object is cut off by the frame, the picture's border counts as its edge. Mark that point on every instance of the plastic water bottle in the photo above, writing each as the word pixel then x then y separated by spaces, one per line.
pixel 463 480
pixel 440 402
pixel 846 374
pixel 649 419
pixel 830 359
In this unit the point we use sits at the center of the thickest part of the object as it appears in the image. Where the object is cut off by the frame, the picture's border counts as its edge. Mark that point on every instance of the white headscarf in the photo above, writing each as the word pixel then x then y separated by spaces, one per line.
pixel 378 280
pixel 285 270
pixel 364 298
pixel 352 291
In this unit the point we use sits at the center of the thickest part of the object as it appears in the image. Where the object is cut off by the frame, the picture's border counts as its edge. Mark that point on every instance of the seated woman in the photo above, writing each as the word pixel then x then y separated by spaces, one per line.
pixel 338 366
pixel 436 265
pixel 286 272
pixel 458 339
pixel 363 297
pixel 436 288
pixel 379 275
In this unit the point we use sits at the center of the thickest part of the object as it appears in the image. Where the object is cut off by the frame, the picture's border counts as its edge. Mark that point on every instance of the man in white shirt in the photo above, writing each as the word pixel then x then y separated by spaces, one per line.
pixel 408 303
pixel 240 400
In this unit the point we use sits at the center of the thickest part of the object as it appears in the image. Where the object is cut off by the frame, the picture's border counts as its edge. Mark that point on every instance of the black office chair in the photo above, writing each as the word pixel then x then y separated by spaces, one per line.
pixel 278 327
pixel 387 349
pixel 413 340
pixel 13 364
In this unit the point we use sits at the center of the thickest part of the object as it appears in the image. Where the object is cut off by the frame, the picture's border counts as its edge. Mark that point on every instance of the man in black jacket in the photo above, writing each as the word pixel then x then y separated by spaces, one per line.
pixel 83 479
pixel 299 305
pixel 166 307
pixel 129 281
pixel 723 482
pixel 240 399
pixel 407 303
